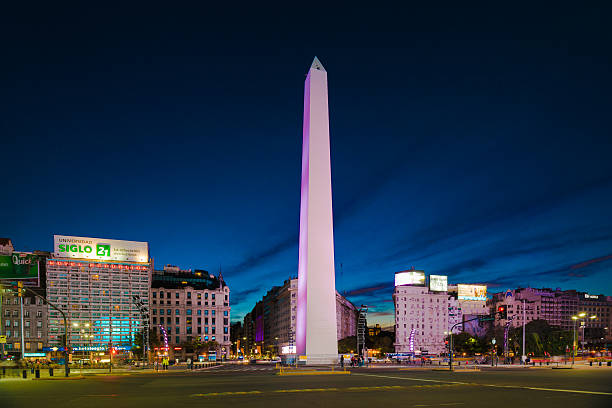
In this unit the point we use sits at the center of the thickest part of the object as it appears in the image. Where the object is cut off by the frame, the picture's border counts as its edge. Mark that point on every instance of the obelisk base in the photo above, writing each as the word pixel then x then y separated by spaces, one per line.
pixel 321 359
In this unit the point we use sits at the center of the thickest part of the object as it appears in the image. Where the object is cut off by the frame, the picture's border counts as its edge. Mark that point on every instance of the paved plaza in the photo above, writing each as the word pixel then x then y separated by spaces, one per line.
pixel 263 387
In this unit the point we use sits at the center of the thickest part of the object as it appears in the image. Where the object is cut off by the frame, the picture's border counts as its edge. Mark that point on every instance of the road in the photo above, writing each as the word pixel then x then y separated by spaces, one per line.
pixel 261 387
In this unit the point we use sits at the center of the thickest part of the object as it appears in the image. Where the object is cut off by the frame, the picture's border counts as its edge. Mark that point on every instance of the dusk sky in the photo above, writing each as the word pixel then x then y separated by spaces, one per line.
pixel 469 142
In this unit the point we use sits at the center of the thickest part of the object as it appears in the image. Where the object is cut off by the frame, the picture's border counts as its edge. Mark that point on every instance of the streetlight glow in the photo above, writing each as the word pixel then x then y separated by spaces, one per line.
pixel 582 314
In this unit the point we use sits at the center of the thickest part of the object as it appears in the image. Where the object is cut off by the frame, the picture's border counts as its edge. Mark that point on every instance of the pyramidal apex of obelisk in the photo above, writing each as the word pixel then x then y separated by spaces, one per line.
pixel 316 330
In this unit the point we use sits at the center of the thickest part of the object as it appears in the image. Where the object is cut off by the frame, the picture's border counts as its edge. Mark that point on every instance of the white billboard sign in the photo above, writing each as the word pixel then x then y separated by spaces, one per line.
pixel 471 292
pixel 100 249
pixel 288 350
pixel 438 283
pixel 409 278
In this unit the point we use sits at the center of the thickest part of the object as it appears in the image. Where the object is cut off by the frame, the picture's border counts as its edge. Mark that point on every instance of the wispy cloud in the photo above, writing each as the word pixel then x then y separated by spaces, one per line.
pixel 260 257
pixel 383 286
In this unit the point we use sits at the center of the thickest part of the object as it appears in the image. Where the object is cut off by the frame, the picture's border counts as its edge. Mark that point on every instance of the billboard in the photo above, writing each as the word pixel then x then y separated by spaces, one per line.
pixel 100 249
pixel 471 292
pixel 409 278
pixel 438 283
pixel 19 265
pixel 288 350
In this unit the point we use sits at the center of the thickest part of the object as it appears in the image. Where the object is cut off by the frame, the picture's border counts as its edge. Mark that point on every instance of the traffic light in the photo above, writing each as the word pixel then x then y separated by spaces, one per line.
pixel 20 289
pixel 502 310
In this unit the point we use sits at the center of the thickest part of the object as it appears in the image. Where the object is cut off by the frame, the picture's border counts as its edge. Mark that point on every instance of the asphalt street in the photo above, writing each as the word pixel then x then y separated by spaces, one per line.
pixel 260 387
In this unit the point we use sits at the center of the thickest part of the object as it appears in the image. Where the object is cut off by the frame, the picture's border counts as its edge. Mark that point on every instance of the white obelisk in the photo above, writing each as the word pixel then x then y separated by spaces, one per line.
pixel 316 330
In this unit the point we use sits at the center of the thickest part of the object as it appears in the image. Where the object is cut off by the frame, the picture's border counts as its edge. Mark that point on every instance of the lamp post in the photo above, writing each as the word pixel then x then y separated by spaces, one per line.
pixel 580 316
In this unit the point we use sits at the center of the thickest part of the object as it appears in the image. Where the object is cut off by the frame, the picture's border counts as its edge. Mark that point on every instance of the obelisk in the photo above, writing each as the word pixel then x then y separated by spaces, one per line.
pixel 316 330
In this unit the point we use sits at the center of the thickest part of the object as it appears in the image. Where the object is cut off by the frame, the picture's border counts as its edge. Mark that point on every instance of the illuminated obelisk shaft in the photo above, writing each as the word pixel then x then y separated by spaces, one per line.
pixel 316 331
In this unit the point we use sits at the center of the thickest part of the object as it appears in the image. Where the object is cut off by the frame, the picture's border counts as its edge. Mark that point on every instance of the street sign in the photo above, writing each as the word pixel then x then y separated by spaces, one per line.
pixel 2 339
pixel 493 341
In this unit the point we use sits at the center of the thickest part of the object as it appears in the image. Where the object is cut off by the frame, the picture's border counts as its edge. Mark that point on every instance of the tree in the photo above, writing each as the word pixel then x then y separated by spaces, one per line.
pixel 198 346
pixel 139 340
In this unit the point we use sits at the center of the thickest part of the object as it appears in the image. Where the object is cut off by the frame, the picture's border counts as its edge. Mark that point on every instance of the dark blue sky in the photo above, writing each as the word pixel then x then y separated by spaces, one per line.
pixel 473 142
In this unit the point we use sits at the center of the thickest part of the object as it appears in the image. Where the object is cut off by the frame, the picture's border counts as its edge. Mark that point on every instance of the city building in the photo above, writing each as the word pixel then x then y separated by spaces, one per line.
pixel 188 304
pixel 421 319
pixel 34 323
pixel 557 307
pixel 271 325
pixel 94 282
pixel 28 268
pixel 6 246
pixel 426 311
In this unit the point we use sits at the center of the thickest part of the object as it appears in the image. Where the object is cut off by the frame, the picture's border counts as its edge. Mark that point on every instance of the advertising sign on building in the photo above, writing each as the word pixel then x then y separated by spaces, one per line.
pixel 19 265
pixel 438 283
pixel 100 249
pixel 409 278
pixel 288 350
pixel 471 292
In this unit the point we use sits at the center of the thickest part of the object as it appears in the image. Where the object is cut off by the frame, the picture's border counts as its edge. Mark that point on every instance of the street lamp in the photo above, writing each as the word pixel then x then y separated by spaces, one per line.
pixel 580 316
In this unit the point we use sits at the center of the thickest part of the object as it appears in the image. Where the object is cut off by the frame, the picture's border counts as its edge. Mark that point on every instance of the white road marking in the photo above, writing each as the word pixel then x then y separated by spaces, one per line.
pixel 489 385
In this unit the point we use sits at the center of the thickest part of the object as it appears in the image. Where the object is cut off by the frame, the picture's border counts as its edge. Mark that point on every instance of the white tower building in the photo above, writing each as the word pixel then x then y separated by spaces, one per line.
pixel 316 310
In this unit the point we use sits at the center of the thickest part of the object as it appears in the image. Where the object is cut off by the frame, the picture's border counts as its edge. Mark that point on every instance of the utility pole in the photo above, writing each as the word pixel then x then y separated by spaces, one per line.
pixel 524 356
pixel 1 344
pixel 20 292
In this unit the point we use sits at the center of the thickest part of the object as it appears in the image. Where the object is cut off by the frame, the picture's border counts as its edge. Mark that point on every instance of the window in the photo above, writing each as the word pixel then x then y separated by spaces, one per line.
pixel 213 312
pixel 225 330
pixel 178 320
pixel 206 313
pixel 205 330
pixel 155 320
pixel 39 313
pixel 169 311
pixel 199 313
pixel 189 312
pixel 39 324
pixel 161 312
pixel 26 313
pixel 213 295
pixel 161 295
pixel 154 295
pixel 225 313
pixel 177 330
pixel 199 320
pixel 176 295
pixel 177 312
pixel 188 295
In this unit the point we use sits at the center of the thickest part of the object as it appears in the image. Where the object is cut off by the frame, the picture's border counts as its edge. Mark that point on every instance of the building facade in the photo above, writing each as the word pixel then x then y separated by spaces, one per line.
pixel 426 313
pixel 34 322
pixel 188 304
pixel 94 281
pixel 270 327
pixel 557 307
pixel 28 268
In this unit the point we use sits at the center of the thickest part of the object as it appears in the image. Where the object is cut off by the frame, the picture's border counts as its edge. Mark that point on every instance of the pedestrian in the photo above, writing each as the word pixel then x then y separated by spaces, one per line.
pixel 342 361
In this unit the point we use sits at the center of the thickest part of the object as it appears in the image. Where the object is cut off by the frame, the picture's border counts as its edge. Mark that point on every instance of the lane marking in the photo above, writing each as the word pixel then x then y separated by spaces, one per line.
pixel 489 385
pixel 100 395
pixel 330 389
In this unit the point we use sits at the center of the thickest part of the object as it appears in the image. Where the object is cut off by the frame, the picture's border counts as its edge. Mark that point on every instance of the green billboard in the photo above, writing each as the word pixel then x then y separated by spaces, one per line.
pixel 19 266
